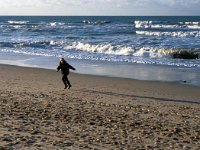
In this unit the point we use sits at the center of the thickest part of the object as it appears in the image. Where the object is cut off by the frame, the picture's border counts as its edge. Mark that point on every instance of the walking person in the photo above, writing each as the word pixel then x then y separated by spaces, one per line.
pixel 64 67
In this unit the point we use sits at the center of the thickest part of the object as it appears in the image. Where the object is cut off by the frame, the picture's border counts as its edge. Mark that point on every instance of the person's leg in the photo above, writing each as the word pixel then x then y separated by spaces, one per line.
pixel 64 80
pixel 69 84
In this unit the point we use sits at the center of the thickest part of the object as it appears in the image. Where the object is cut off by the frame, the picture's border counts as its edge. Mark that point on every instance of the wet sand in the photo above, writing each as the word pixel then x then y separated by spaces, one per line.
pixel 96 113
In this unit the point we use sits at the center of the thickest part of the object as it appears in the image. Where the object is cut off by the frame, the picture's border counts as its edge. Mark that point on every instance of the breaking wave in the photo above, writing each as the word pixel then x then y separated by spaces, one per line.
pixel 101 48
pixel 104 52
pixel 149 52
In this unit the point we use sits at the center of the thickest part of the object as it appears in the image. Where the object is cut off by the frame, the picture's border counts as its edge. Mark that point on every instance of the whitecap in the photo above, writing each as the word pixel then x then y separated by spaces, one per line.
pixel 18 22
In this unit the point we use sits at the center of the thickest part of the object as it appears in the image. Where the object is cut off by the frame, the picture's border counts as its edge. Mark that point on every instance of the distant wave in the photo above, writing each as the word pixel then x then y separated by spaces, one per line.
pixel 166 25
pixel 40 24
pixel 98 22
pixel 189 23
pixel 173 34
pixel 53 24
pixel 18 22
pixel 32 44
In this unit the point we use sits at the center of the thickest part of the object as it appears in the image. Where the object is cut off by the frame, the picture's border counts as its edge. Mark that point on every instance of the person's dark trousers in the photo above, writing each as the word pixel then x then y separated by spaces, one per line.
pixel 65 80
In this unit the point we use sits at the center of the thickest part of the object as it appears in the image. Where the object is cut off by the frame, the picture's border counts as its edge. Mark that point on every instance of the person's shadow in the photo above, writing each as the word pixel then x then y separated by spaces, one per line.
pixel 144 97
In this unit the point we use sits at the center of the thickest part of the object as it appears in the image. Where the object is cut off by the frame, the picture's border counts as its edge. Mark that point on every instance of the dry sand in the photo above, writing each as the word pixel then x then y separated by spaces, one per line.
pixel 96 113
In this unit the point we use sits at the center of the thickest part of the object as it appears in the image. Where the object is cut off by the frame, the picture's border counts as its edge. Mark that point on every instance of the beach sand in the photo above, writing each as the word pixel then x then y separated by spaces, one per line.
pixel 96 113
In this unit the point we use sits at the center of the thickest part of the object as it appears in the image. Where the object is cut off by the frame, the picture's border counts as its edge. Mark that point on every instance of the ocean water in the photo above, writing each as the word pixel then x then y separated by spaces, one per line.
pixel 146 41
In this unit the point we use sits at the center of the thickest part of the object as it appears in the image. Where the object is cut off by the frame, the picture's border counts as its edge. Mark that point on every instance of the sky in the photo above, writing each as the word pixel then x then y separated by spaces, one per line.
pixel 100 7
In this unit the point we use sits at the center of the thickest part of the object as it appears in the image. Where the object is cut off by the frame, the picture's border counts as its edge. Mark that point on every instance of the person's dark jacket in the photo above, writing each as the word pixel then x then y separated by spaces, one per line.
pixel 65 68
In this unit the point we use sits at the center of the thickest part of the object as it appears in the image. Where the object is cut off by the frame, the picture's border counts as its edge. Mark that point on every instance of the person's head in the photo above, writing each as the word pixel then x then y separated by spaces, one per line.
pixel 62 60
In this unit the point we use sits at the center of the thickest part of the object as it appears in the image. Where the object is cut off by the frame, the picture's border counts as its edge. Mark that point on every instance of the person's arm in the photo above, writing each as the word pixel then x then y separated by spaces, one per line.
pixel 58 68
pixel 70 67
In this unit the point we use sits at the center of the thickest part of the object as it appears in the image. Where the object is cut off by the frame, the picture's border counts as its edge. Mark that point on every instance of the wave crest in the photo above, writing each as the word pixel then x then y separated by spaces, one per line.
pixel 102 48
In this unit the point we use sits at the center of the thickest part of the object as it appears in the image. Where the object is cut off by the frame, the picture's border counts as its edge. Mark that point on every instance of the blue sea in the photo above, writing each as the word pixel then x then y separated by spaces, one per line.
pixel 138 47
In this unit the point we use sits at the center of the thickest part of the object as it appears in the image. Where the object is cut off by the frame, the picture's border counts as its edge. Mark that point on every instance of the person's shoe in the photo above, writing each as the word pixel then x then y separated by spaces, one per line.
pixel 65 87
pixel 69 86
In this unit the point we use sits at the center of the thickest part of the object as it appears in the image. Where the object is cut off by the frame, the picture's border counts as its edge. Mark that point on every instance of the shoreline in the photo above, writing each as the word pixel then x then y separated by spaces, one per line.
pixel 96 113
pixel 143 72
pixel 145 85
